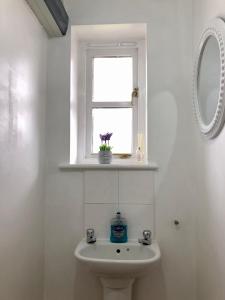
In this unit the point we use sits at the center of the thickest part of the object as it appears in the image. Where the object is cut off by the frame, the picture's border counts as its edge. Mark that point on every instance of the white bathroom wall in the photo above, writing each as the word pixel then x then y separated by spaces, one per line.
pixel 170 142
pixel 211 173
pixel 23 54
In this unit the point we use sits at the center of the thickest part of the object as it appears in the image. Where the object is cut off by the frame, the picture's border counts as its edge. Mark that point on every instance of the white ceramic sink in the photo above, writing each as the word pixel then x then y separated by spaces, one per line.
pixel 117 265
pixel 106 258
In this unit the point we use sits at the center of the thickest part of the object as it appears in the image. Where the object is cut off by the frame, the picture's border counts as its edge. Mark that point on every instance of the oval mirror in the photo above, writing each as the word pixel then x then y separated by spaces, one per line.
pixel 209 100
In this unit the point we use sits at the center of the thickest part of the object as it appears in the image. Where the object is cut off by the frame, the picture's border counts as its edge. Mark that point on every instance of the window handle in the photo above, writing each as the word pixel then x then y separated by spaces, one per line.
pixel 135 94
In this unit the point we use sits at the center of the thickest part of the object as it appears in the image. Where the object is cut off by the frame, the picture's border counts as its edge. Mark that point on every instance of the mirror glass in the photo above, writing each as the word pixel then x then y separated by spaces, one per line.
pixel 208 86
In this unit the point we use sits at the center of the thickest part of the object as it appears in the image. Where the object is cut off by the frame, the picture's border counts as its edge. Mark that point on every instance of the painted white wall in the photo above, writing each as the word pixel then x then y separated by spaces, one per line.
pixel 171 142
pixel 211 174
pixel 23 54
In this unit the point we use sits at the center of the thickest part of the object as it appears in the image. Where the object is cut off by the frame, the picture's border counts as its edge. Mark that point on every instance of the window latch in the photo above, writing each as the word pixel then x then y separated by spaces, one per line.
pixel 135 94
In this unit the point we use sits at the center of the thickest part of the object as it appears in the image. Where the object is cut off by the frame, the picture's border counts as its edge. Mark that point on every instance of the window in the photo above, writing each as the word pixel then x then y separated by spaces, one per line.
pixel 111 77
pixel 108 67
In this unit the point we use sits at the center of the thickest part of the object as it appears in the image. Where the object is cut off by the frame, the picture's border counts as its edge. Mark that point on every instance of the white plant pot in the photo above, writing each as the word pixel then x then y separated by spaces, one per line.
pixel 104 157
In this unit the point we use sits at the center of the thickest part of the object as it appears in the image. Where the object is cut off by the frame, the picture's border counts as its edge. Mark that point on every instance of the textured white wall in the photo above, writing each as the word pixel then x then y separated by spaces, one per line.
pixel 23 54
pixel 171 141
pixel 211 174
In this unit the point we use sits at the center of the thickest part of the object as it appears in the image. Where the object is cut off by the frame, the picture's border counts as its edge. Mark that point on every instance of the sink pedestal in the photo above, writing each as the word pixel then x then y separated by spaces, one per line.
pixel 117 288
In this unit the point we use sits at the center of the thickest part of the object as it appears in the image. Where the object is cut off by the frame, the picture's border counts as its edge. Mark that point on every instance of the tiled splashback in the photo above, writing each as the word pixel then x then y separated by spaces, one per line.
pixel 131 192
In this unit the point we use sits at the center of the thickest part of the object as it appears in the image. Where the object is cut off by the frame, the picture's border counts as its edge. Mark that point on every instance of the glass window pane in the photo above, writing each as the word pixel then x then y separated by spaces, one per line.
pixel 115 120
pixel 112 79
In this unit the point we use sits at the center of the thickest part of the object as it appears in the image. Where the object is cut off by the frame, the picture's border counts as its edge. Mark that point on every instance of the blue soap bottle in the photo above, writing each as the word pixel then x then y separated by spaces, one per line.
pixel 118 229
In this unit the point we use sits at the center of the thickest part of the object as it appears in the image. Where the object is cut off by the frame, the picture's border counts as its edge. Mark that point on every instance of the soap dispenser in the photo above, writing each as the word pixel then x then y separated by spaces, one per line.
pixel 118 229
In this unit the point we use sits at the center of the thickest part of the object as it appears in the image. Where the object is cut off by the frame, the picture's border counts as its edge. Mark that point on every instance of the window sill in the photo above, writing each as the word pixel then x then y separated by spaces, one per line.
pixel 115 165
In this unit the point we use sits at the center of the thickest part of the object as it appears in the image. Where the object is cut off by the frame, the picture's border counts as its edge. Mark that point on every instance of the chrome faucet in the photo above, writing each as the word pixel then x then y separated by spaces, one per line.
pixel 91 239
pixel 147 238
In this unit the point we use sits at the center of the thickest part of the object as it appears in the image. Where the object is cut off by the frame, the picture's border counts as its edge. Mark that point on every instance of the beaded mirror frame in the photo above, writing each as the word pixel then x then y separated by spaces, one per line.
pixel 216 29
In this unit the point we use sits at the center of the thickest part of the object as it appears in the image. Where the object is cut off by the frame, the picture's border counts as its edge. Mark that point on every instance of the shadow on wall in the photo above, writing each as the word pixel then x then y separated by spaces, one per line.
pixel 87 285
pixel 151 286
pixel 165 129
pixel 21 253
pixel 211 218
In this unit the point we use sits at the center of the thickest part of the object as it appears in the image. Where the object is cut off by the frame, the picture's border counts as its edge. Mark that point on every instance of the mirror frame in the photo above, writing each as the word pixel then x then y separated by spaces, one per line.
pixel 215 28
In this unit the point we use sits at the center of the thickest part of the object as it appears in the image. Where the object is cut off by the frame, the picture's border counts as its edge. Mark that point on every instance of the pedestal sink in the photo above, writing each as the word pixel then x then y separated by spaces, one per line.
pixel 117 265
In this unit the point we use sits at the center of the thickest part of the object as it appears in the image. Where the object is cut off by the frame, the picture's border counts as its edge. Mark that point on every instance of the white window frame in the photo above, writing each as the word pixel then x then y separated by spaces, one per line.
pixel 90 105
pixel 85 51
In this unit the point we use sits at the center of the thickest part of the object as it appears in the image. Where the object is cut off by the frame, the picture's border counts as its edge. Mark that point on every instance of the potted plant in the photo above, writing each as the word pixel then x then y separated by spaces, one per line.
pixel 105 153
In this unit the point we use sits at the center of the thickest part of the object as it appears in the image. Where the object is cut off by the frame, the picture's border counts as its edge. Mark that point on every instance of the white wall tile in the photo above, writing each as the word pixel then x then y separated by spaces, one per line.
pixel 101 186
pixel 98 216
pixel 139 217
pixel 136 187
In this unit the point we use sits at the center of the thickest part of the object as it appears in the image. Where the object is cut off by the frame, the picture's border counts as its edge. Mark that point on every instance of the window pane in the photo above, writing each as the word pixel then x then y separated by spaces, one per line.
pixel 112 79
pixel 115 120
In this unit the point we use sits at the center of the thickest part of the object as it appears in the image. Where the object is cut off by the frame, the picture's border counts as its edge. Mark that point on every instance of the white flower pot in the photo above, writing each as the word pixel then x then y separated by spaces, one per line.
pixel 104 157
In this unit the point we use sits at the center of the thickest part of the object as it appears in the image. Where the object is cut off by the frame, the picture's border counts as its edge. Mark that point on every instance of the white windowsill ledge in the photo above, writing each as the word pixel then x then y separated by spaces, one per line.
pixel 115 165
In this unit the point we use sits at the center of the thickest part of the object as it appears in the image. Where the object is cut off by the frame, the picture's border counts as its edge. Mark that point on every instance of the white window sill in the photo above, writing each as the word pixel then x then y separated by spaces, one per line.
pixel 92 164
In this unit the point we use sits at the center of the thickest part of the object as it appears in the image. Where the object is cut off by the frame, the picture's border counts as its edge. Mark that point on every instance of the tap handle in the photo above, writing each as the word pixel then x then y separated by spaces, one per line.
pixel 90 233
pixel 147 234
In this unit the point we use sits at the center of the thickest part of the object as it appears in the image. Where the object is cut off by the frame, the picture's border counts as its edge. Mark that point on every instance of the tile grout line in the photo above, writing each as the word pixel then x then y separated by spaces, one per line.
pixel 84 201
pixel 121 203
pixel 118 191
pixel 154 209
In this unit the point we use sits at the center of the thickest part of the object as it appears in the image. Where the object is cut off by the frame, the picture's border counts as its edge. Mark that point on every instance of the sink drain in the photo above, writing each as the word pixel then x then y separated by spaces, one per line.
pixel 118 251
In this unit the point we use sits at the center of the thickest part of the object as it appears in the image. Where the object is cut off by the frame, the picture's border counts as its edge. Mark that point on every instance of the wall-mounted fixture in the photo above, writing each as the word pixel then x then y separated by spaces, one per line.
pixel 52 15
pixel 209 79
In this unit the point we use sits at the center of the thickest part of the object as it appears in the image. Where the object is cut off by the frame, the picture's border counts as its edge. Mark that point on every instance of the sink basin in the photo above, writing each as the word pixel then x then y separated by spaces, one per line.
pixel 117 265
pixel 127 259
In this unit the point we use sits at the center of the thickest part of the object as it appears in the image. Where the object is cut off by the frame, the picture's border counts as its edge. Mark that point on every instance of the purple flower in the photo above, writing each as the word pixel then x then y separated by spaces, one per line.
pixel 105 137
pixel 102 137
pixel 108 136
